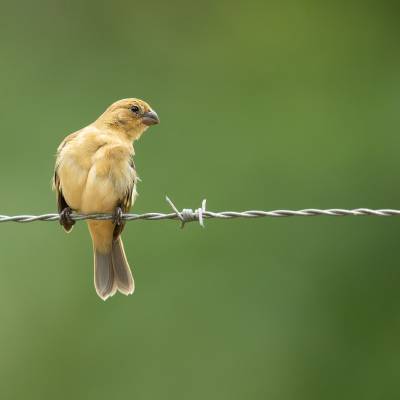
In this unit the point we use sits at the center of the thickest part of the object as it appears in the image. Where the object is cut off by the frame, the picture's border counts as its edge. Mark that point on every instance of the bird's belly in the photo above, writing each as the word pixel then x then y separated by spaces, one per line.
pixel 99 194
pixel 100 183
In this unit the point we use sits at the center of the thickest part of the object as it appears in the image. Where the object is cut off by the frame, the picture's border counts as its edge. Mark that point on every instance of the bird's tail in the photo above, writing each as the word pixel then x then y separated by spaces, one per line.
pixel 111 271
pixel 122 272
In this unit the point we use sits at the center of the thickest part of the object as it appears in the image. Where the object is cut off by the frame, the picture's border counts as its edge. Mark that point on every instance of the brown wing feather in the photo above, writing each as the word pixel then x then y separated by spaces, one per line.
pixel 125 203
pixel 61 202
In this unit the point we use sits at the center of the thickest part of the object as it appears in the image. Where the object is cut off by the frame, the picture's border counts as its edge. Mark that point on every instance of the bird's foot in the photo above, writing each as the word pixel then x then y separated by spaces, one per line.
pixel 117 216
pixel 65 218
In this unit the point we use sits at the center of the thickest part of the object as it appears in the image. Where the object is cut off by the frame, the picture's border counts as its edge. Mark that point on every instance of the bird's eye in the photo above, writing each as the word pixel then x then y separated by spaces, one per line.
pixel 135 109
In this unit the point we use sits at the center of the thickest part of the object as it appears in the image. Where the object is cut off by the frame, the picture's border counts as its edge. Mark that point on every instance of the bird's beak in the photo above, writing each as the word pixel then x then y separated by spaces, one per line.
pixel 150 118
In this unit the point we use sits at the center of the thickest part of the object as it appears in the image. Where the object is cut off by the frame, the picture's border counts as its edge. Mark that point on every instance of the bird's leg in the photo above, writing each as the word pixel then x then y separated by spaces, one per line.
pixel 65 218
pixel 117 216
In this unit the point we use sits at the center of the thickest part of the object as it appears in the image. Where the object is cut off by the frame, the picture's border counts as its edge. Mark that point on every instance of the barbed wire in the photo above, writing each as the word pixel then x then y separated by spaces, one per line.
pixel 200 214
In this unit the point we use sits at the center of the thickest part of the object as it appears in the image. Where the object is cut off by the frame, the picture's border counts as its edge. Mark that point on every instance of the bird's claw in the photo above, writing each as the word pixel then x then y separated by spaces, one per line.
pixel 65 218
pixel 117 216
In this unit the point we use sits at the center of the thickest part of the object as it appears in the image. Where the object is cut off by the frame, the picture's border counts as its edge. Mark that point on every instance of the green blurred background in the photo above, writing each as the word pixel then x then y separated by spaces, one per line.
pixel 264 105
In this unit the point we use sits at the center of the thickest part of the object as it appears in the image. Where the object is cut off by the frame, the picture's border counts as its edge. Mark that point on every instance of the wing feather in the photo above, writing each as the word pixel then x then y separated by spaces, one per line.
pixel 57 187
pixel 126 202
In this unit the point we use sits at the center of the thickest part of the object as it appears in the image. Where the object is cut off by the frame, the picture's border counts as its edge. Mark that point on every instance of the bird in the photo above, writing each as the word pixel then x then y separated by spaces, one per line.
pixel 95 173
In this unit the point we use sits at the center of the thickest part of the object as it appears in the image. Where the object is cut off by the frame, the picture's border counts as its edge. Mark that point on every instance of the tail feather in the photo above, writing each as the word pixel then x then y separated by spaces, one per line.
pixel 122 272
pixel 112 272
pixel 104 279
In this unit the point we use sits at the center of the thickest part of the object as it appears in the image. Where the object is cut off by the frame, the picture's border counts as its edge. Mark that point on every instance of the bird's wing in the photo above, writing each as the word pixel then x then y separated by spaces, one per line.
pixel 126 202
pixel 67 140
pixel 61 202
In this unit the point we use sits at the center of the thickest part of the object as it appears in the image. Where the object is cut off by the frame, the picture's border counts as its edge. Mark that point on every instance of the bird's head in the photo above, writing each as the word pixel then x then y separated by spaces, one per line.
pixel 130 116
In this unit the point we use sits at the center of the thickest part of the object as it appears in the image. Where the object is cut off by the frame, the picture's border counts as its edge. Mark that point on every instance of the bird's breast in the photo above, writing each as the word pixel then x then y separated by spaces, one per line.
pixel 95 172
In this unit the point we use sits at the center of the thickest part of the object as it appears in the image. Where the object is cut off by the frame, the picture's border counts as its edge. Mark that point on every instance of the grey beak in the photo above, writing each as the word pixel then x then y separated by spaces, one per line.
pixel 150 118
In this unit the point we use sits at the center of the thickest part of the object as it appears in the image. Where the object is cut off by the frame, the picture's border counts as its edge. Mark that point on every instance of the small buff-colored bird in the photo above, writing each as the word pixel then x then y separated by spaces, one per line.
pixel 95 173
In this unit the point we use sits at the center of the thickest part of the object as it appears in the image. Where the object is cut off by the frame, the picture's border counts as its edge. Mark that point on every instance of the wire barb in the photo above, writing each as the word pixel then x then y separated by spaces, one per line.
pixel 187 214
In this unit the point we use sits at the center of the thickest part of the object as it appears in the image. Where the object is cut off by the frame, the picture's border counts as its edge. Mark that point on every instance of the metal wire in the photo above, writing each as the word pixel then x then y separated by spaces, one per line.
pixel 200 214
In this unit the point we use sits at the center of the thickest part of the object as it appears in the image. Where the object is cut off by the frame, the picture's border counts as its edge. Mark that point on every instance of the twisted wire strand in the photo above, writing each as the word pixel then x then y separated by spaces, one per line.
pixel 189 215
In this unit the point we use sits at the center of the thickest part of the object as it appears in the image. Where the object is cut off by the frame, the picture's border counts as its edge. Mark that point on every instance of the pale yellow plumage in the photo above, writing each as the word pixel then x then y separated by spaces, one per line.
pixel 95 173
